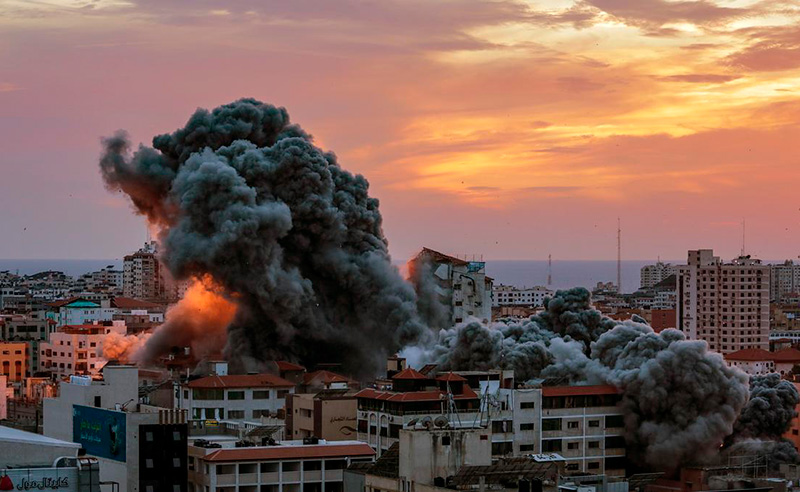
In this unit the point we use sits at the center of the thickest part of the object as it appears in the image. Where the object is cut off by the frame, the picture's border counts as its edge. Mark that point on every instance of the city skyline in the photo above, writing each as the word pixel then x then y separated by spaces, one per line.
pixel 535 123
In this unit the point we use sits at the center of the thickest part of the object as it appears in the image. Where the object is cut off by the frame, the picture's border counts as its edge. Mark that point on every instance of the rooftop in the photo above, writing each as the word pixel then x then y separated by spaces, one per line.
pixel 283 451
pixel 325 377
pixel 288 366
pixel 242 381
pixel 409 374
pixel 10 436
pixel 430 395
pixel 450 377
pixel 130 303
pixel 604 389
pixel 749 355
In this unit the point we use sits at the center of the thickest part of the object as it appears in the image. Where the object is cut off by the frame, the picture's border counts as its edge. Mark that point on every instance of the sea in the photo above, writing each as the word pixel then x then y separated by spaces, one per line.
pixel 520 273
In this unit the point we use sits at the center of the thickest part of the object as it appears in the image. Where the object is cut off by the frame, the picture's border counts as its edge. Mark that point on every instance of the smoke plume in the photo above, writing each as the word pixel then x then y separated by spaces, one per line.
pixel 680 399
pixel 242 195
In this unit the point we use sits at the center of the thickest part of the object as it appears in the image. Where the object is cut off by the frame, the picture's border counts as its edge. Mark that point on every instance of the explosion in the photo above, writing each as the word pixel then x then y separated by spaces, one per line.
pixel 199 320
pixel 244 196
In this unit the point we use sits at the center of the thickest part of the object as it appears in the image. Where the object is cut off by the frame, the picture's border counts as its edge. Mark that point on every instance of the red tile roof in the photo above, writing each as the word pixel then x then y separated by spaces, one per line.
pixel 749 355
pixel 64 302
pixel 325 377
pixel 242 381
pixel 130 303
pixel 307 451
pixel 786 355
pixel 430 395
pixel 604 389
pixel 288 366
pixel 450 376
pixel 409 374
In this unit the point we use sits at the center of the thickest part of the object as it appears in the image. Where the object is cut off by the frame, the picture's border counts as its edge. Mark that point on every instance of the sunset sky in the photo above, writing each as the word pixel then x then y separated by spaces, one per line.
pixel 511 129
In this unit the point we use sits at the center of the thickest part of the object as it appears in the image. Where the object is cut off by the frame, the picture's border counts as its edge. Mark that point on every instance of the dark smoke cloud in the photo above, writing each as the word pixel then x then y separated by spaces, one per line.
pixel 765 419
pixel 680 399
pixel 243 195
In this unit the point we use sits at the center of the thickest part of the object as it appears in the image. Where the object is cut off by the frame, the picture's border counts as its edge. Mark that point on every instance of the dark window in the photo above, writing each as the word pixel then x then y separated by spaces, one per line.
pixel 551 424
pixel 551 445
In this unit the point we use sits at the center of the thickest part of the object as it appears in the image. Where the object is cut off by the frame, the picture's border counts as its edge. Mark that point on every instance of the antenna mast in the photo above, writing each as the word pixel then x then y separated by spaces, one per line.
pixel 743 236
pixel 619 257
pixel 549 270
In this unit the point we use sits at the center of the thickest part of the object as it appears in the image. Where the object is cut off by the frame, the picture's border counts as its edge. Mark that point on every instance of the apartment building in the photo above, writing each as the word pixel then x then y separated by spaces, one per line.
pixel 234 397
pixel 13 361
pixel 757 362
pixel 461 285
pixel 77 349
pixel 650 275
pixel 784 280
pixel 144 277
pixel 725 304
pixel 507 295
pixel 308 465
pixel 329 414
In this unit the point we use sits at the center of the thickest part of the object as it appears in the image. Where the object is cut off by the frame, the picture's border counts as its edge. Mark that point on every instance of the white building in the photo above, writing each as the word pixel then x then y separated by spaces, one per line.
pixel 142 448
pixel 757 362
pixel 725 304
pixel 461 285
pixel 650 275
pixel 507 295
pixel 665 299
pixel 234 397
pixel 77 349
pixel 288 466
pixel 784 280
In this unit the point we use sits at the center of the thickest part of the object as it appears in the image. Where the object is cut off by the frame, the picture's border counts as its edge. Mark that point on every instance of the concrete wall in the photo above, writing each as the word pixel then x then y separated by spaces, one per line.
pixel 427 454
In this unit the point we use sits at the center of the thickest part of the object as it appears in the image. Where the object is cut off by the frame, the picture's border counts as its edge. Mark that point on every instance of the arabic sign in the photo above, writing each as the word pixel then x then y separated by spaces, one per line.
pixel 58 479
pixel 100 432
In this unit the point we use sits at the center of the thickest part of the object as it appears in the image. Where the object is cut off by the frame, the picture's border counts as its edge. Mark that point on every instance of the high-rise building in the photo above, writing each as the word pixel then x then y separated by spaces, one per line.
pixel 507 295
pixel 142 277
pixel 650 275
pixel 784 280
pixel 460 285
pixel 725 304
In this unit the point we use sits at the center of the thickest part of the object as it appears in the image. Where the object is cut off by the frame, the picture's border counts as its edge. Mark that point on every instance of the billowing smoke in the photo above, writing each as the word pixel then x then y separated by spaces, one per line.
pixel 680 399
pixel 242 195
pixel 765 419
pixel 122 347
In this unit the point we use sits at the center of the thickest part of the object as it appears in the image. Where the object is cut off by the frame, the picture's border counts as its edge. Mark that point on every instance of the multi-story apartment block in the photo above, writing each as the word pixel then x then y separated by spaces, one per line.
pixel 77 349
pixel 13 361
pixel 725 304
pixel 288 466
pixel 329 414
pixel 142 277
pixel 784 280
pixel 650 275
pixel 507 295
pixel 106 279
pixel 239 397
pixel 461 285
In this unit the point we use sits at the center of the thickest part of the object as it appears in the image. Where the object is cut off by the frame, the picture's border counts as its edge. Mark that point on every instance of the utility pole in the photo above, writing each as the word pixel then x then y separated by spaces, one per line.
pixel 619 257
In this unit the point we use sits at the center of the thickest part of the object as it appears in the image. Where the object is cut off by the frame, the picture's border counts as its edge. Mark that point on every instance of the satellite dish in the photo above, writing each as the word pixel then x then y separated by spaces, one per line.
pixel 441 421
pixel 412 422
pixel 427 422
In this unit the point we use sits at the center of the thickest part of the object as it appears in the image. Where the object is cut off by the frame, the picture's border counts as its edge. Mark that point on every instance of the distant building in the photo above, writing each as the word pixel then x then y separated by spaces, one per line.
pixel 661 319
pixel 108 280
pixel 13 361
pixel 725 304
pixel 235 397
pixel 784 280
pixel 144 277
pixel 287 466
pixel 507 295
pixel 650 275
pixel 757 362
pixel 460 285
pixel 77 349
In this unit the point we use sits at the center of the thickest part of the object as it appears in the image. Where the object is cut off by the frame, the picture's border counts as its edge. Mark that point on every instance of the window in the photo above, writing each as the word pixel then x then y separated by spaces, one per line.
pixel 445 440
pixel 594 444
pixel 573 445
pixel 572 425
pixel 261 394
pixel 573 467
pixel 594 423
pixel 613 421
pixel 283 393
pixel 526 447
pixel 551 424
pixel 526 405
pixel 236 395
pixel 260 413
pixel 148 463
pixel 148 436
pixel 97 401
pixel 176 462
pixel 593 465
pixel 526 427
pixel 551 445
pixel 235 414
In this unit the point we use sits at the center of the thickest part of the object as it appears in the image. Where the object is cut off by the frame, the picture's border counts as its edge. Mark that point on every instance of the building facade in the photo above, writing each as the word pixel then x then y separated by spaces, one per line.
pixel 650 275
pixel 14 361
pixel 507 295
pixel 288 466
pixel 725 304
pixel 784 280
pixel 461 286
pixel 329 414
pixel 239 397
pixel 77 349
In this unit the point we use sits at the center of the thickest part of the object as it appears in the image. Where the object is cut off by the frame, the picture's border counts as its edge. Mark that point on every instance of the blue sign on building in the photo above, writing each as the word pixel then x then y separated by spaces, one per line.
pixel 100 432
